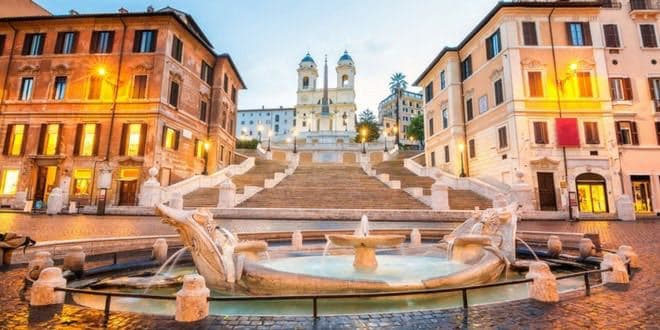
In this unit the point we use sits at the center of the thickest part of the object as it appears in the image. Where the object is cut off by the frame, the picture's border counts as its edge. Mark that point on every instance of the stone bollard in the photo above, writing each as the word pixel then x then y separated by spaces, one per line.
pixel 227 195
pixel 191 301
pixel 43 290
pixel 544 286
pixel 297 240
pixel 586 247
pixel 627 252
pixel 159 252
pixel 55 199
pixel 74 260
pixel 37 264
pixel 415 238
pixel 619 273
pixel 554 245
pixel 176 202
pixel 439 196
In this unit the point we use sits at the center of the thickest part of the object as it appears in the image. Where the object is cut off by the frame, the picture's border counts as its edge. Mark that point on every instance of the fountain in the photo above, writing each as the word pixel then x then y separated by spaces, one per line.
pixel 365 245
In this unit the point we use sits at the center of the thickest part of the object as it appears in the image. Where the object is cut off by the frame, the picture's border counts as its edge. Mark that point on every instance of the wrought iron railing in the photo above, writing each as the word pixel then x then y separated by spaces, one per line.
pixel 644 5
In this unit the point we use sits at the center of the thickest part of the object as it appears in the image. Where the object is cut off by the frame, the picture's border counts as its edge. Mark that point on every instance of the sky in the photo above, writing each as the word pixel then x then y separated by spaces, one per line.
pixel 268 38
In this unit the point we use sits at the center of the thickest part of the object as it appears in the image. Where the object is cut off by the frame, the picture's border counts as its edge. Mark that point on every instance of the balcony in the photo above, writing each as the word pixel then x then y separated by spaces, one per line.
pixel 644 8
pixel 611 4
pixel 656 103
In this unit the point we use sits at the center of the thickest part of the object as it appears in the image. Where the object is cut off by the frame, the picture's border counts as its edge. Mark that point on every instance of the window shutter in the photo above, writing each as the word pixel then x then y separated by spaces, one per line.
pixel 586 31
pixel 154 40
pixel 176 140
pixel 111 41
pixel 2 43
pixel 59 43
pixel 633 133
pixel 26 44
pixel 42 137
pixel 76 145
pixel 59 139
pixel 612 88
pixel 652 89
pixel 627 89
pixel 657 131
pixel 617 128
pixel 74 42
pixel 143 138
pixel 97 136
pixel 122 144
pixel 137 40
pixel 93 43
pixel 163 135
pixel 25 137
pixel 569 36
pixel 10 131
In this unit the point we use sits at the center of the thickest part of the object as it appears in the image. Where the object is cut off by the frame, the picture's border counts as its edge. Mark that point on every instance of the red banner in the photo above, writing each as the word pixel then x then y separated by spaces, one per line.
pixel 568 134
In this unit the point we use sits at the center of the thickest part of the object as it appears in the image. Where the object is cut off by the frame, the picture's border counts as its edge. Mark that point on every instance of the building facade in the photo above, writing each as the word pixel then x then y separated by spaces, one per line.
pixel 256 123
pixel 15 8
pixel 538 93
pixel 118 93
pixel 410 106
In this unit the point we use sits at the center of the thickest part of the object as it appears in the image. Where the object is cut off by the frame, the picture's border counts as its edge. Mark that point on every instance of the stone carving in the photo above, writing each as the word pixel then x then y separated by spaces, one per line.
pixel 554 245
pixel 415 238
pixel 10 242
pixel 43 290
pixel 619 273
pixel 150 192
pixel 74 260
pixel 55 201
pixel 159 252
pixel 297 240
pixel 627 252
pixel 39 262
pixel 544 286
pixel 191 300
pixel 586 247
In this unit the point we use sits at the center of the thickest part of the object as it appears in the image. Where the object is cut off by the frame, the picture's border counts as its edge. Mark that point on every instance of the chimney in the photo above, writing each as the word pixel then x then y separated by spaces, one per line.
pixel 123 10
pixel 150 9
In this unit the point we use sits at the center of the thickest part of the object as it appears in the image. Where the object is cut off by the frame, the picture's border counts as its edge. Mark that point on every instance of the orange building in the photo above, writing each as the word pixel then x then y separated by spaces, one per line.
pixel 118 92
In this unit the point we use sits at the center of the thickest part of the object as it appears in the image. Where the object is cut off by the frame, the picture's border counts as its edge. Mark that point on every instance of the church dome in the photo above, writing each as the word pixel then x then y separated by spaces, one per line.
pixel 345 59
pixel 307 61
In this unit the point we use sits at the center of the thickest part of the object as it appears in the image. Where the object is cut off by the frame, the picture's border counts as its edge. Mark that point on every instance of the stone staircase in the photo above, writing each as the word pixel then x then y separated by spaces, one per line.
pixel 458 199
pixel 262 170
pixel 332 186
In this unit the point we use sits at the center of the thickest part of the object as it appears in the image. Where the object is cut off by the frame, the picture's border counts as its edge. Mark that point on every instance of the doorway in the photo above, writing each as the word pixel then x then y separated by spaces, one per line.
pixel 127 192
pixel 641 185
pixel 592 193
pixel 547 197
pixel 45 183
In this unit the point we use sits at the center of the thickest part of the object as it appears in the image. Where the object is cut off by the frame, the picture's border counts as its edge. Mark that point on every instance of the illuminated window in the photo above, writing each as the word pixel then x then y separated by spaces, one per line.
pixel 133 139
pixel 87 139
pixel 199 148
pixel 170 138
pixel 82 179
pixel 584 84
pixel 9 181
pixel 15 140
pixel 50 137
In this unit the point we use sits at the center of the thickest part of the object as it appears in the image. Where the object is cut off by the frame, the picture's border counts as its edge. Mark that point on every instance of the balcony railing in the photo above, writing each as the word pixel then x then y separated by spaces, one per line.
pixel 611 4
pixel 644 5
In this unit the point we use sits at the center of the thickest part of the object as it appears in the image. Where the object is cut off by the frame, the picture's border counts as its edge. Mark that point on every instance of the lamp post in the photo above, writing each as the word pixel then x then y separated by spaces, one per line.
pixel 395 130
pixel 461 147
pixel 363 133
pixel 387 133
pixel 270 135
pixel 207 145
pixel 295 147
pixel 259 129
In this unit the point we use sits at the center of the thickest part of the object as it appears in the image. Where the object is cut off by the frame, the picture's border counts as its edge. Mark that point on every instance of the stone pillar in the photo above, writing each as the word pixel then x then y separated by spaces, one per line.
pixel 74 260
pixel 191 301
pixel 159 252
pixel 54 201
pixel 415 238
pixel 619 273
pixel 43 290
pixel 627 252
pixel 227 196
pixel 625 209
pixel 544 286
pixel 40 261
pixel 176 201
pixel 297 240
pixel 523 194
pixel 554 245
pixel 150 192
pixel 19 200
pixel 439 196
pixel 65 186
pixel 586 247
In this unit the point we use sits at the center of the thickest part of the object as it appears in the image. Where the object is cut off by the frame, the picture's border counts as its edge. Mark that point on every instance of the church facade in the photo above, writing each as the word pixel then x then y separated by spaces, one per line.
pixel 326 114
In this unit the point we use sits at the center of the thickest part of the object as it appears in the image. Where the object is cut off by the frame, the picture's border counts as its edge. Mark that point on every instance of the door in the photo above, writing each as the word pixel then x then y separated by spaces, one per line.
pixel 642 193
pixel 127 190
pixel 547 198
pixel 45 182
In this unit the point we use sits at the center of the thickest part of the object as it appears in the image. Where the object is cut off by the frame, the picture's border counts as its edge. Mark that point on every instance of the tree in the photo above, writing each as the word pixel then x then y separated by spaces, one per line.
pixel 398 84
pixel 367 116
pixel 416 128
pixel 369 124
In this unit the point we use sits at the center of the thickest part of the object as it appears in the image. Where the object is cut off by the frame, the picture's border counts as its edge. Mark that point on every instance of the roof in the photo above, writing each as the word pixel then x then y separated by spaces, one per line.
pixel 345 57
pixel 307 58
pixel 500 5
pixel 267 109
pixel 390 97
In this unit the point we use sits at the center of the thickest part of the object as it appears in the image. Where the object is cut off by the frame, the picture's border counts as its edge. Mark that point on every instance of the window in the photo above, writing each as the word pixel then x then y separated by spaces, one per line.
pixel 86 140
pixel 60 88
pixel 2 43
pixel 649 38
pixel 626 132
pixel 493 45
pixel 621 89
pixel 446 149
pixel 499 92
pixel 174 94
pixel 15 140
pixel 145 41
pixel 66 42
pixel 535 82
pixel 132 139
pixel 305 82
pixel 34 44
pixel 466 68
pixel 584 84
pixel 657 131
pixel 469 111
pixel 344 81
pixel 225 83
pixel 472 148
pixel 591 133
pixel 579 34
pixel 430 126
pixel 9 182
pixel 177 49
pixel 432 158
pixel 27 84
pixel 233 94
pixel 443 80
pixel 502 139
pixel 199 148
pixel 202 111
pixel 530 37
pixel 541 132
pixel 654 85
pixel 101 42
pixel 139 87
pixel 277 118
pixel 49 139
pixel 206 73
pixel 82 179
pixel 428 92
pixel 611 33
pixel 170 138
pixel 95 85
pixel 445 118
pixel 483 104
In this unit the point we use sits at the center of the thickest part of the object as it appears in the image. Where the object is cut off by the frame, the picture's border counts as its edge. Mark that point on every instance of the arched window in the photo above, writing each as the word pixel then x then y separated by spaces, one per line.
pixel 305 82
pixel 592 193
pixel 344 80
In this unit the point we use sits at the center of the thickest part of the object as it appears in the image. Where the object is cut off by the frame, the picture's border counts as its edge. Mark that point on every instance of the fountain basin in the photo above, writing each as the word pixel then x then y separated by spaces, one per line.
pixel 365 247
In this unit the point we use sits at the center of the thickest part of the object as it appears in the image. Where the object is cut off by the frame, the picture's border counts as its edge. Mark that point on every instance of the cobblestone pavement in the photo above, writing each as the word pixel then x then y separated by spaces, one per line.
pixel 631 307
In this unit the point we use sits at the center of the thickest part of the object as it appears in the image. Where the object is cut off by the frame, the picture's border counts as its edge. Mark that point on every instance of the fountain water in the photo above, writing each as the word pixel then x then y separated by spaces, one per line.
pixel 172 260
pixel 528 248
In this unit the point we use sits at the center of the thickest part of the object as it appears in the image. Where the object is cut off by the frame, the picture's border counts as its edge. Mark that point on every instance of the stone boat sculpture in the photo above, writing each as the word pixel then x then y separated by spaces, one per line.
pixel 485 243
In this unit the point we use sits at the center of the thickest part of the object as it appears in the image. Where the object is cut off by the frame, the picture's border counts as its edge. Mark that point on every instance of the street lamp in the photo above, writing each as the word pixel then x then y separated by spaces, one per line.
pixel 363 133
pixel 387 133
pixel 259 129
pixel 461 147
pixel 270 135
pixel 295 134
pixel 207 145
pixel 395 130
pixel 101 71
